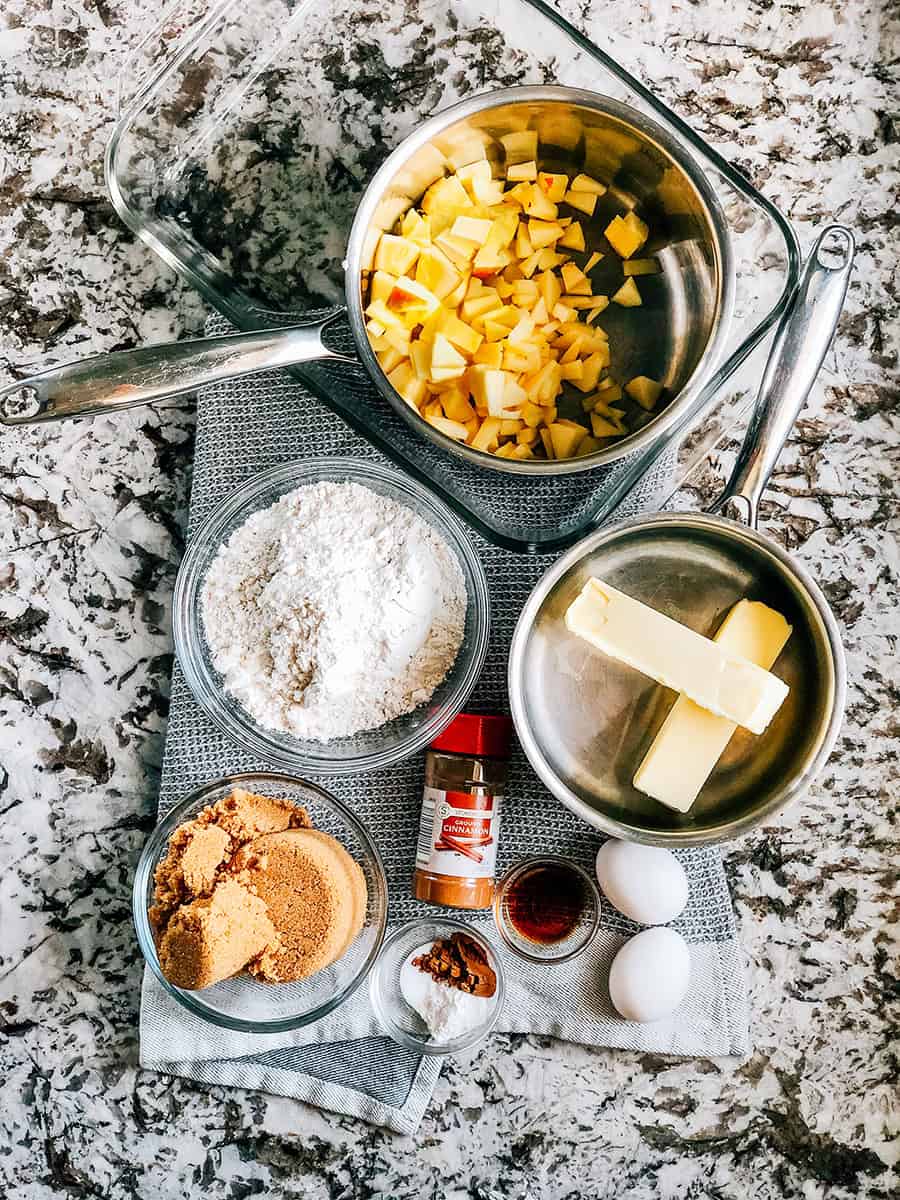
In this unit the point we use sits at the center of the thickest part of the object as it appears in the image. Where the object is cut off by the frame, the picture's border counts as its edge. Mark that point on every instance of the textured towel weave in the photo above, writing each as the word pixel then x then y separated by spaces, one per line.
pixel 343 1063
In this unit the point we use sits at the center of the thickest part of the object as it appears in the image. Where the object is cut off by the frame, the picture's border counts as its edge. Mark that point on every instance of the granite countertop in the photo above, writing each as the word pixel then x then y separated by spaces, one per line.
pixel 804 98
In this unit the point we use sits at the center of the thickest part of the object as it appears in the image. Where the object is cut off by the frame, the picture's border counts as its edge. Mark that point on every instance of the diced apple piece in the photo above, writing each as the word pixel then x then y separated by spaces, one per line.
pixel 584 183
pixel 525 359
pixel 522 451
pixel 588 445
pixel 532 415
pixel 551 289
pixel 416 227
pixel 572 370
pixel 602 428
pixel 480 306
pixel 644 390
pixel 456 297
pixel 488 389
pixel 553 186
pixel 589 302
pixel 521 146
pixel 591 368
pixel 395 255
pixel 487 192
pixel 539 313
pixel 385 318
pixel 585 202
pixel 548 443
pixel 517 172
pixel 575 280
pixel 471 229
pixel 522 330
pixel 529 265
pixel 463 336
pixel 592 261
pixel 628 295
pixel 445 193
pixel 445 357
pixel 543 233
pixel 409 296
pixel 562 312
pixel 626 236
pixel 382 285
pixel 435 270
pixel 640 266
pixel 456 405
pixel 403 380
pixel 420 355
pixel 490 354
pixel 452 429
pixel 459 253
pixel 488 435
pixel 549 259
pixel 514 397
pixel 389 359
pixel 540 207
pixel 524 248
pixel 527 436
pixel 610 394
pixel 494 331
pixel 479 168
pixel 399 339
pixel 573 238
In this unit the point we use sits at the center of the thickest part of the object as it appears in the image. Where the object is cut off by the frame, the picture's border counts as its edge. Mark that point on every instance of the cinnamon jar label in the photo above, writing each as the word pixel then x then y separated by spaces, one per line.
pixel 458 833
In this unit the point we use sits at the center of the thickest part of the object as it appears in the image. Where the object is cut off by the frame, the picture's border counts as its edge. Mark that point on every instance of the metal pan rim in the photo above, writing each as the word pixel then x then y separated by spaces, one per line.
pixel 720 832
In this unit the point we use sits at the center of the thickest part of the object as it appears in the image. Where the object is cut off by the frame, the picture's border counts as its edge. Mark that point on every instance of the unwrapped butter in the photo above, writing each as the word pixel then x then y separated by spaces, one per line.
pixel 715 678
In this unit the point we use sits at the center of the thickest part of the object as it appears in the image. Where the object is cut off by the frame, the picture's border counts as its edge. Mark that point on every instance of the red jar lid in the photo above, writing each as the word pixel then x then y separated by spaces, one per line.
pixel 476 734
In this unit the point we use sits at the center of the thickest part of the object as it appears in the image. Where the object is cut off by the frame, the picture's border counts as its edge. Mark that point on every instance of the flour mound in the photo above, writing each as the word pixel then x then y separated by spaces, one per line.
pixel 333 611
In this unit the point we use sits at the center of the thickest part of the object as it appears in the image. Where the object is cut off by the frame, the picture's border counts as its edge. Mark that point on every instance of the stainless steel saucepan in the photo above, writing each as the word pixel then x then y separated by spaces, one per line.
pixel 676 337
pixel 585 721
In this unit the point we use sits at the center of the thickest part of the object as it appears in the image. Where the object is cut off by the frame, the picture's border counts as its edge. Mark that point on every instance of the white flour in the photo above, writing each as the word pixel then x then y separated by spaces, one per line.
pixel 333 611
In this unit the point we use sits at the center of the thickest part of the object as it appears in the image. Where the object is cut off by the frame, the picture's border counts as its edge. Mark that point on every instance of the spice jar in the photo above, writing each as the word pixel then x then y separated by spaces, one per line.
pixel 465 773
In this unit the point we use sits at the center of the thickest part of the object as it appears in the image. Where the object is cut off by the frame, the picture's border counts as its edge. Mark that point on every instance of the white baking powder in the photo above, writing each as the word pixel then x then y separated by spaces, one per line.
pixel 333 611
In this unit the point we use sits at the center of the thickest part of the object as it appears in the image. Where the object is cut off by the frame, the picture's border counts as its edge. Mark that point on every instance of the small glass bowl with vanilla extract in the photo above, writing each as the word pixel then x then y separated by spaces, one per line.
pixel 547 909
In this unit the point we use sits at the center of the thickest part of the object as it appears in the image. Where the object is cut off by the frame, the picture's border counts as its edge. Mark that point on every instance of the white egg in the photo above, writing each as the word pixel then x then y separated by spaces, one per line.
pixel 645 883
pixel 650 975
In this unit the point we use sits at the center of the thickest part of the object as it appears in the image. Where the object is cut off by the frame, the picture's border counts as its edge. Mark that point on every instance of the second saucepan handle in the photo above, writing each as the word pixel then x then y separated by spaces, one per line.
pixel 800 345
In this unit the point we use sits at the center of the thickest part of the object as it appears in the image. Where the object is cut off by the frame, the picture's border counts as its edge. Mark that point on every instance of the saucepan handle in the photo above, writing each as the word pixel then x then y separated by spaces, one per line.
pixel 801 343
pixel 128 378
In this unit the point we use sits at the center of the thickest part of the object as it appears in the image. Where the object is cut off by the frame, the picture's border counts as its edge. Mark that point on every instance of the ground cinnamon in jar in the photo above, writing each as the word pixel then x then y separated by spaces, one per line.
pixel 465 774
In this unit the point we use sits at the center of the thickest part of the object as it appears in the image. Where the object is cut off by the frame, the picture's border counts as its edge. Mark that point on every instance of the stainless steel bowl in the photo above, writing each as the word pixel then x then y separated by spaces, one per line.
pixel 585 720
pixel 676 336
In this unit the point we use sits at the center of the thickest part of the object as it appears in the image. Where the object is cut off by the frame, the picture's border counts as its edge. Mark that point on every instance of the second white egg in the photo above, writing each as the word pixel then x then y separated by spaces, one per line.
pixel 646 883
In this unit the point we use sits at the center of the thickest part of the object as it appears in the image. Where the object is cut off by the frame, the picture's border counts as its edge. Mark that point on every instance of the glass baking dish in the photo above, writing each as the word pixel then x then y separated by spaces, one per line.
pixel 247 133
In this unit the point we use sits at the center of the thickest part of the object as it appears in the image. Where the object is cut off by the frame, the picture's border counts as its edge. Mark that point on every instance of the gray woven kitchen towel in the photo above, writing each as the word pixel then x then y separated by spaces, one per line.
pixel 343 1063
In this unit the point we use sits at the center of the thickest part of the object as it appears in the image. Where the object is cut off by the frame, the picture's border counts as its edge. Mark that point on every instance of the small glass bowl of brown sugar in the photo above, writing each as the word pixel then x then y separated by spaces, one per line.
pixel 437 986
pixel 547 909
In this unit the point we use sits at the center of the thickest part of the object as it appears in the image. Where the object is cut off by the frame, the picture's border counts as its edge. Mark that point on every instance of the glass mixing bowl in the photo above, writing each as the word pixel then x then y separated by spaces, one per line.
pixel 388 743
pixel 243 1003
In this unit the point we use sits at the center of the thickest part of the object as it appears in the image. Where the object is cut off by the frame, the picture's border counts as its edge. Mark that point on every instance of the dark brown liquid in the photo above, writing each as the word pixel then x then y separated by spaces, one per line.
pixel 545 903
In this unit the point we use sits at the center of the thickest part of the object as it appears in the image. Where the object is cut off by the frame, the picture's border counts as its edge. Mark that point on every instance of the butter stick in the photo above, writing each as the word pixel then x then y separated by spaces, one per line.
pixel 674 655
pixel 691 740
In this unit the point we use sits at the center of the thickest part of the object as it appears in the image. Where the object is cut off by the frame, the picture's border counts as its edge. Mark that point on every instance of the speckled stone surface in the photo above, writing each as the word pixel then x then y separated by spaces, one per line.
pixel 805 99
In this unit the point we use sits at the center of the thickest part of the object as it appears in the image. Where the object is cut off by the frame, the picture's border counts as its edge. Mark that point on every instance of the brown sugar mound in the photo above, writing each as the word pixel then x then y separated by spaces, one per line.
pixel 212 939
pixel 249 884
pixel 200 849
pixel 315 895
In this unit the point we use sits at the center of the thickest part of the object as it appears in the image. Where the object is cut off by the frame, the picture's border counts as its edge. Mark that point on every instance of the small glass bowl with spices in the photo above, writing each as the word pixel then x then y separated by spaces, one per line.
pixel 438 986
pixel 547 909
